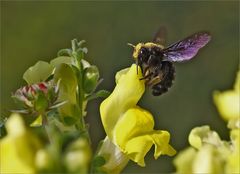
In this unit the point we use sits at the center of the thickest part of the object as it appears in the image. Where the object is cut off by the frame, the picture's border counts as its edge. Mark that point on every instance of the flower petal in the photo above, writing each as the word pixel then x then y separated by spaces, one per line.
pixel 228 102
pixel 128 126
pixel 126 94
pixel 200 135
pixel 184 160
pixel 18 148
pixel 207 160
pixel 233 159
pixel 116 160
pixel 38 72
pixel 134 134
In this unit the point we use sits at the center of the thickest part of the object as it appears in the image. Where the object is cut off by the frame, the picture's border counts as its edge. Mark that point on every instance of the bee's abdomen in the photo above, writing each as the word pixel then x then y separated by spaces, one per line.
pixel 168 71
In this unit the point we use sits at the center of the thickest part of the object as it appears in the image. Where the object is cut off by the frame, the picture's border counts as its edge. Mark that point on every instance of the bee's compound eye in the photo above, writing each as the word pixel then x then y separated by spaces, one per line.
pixel 143 54
pixel 143 51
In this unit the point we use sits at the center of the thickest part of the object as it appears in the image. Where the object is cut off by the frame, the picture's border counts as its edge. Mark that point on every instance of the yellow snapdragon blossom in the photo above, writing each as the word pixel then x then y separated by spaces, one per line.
pixel 233 160
pixel 208 153
pixel 228 102
pixel 128 126
pixel 18 148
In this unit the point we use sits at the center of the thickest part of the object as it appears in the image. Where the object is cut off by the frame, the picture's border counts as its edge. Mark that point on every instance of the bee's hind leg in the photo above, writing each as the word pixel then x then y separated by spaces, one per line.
pixel 146 77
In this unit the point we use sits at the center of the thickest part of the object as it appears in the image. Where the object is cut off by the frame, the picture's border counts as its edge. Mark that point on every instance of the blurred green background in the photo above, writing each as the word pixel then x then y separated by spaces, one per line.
pixel 32 31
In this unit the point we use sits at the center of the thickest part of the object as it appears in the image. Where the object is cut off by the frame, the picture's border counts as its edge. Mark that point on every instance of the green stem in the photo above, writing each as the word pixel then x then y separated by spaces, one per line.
pixel 81 98
pixel 46 127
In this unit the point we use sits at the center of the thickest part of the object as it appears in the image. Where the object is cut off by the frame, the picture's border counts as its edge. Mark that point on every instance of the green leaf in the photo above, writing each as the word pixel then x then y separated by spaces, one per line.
pixel 99 161
pixel 100 93
pixel 69 120
pixel 64 52
pixel 62 59
pixel 103 93
pixel 67 91
pixel 68 83
pixel 80 43
pixel 57 104
pixel 79 54
pixel 38 72
pixel 41 103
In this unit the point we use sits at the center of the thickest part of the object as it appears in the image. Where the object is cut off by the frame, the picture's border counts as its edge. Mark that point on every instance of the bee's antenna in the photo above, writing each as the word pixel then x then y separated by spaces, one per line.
pixel 131 45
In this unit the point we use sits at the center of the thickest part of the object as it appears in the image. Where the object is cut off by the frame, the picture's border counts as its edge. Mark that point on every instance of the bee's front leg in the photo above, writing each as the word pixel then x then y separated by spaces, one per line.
pixel 146 77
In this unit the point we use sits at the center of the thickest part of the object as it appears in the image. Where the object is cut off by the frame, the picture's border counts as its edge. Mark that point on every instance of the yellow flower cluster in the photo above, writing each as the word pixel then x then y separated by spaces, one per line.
pixel 129 127
pixel 228 102
pixel 22 152
pixel 208 153
pixel 18 148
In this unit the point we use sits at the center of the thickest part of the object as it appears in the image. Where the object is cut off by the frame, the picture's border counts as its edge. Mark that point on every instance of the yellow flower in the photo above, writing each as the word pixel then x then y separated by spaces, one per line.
pixel 200 135
pixel 18 148
pixel 128 126
pixel 208 153
pixel 228 102
pixel 78 156
pixel 184 161
pixel 233 159
pixel 115 160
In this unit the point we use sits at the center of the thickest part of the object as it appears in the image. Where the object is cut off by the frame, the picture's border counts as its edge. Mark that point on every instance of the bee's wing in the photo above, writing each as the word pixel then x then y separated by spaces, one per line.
pixel 160 36
pixel 187 48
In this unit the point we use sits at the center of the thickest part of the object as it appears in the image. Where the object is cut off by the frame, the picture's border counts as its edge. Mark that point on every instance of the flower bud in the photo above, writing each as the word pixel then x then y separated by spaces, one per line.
pixel 78 156
pixel 90 78
pixel 43 160
pixel 37 97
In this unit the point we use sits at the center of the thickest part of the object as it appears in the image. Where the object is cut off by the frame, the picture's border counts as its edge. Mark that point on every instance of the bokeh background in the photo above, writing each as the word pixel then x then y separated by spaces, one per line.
pixel 32 31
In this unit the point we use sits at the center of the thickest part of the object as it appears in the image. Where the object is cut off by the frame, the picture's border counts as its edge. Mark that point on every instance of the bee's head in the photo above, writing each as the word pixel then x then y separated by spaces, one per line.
pixel 141 48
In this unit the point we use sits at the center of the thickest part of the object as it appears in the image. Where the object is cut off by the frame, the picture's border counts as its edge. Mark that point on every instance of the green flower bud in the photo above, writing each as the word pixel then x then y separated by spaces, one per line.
pixel 90 78
pixel 43 161
pixel 78 156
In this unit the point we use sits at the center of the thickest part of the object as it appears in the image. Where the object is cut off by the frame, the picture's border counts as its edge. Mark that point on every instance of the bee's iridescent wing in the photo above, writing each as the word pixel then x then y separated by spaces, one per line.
pixel 187 48
pixel 160 36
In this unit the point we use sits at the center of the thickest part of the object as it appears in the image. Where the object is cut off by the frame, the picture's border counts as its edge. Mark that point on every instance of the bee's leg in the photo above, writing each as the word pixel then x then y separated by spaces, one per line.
pixel 147 73
pixel 155 80
pixel 146 76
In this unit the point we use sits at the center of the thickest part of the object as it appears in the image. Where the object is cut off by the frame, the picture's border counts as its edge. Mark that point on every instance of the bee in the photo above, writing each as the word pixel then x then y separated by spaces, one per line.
pixel 156 61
